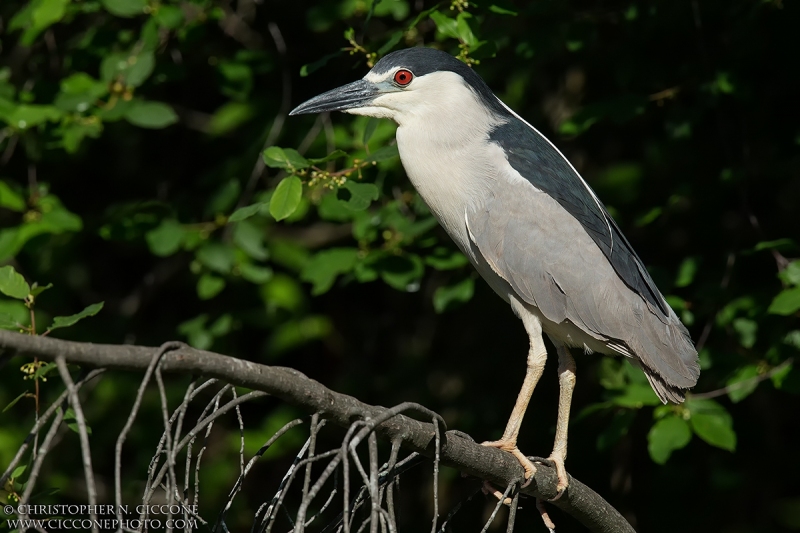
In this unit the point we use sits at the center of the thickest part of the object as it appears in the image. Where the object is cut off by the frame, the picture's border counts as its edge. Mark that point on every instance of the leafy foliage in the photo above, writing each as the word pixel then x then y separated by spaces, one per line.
pixel 147 160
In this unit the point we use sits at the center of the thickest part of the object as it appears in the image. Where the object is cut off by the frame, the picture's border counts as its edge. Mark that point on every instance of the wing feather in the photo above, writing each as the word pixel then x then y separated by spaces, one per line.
pixel 550 261
pixel 540 163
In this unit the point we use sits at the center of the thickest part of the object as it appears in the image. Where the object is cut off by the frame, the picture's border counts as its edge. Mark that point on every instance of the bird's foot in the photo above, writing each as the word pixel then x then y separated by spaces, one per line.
pixel 555 461
pixel 511 447
pixel 548 523
pixel 488 488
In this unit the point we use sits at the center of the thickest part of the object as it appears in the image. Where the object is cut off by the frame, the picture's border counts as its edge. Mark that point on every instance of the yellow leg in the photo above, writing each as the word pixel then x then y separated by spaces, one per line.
pixel 566 381
pixel 536 361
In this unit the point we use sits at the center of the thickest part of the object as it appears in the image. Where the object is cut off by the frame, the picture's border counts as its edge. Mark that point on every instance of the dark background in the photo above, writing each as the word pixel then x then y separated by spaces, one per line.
pixel 682 115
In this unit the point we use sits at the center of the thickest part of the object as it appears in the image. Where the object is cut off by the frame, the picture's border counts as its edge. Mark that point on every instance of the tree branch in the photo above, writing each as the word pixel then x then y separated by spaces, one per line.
pixel 293 387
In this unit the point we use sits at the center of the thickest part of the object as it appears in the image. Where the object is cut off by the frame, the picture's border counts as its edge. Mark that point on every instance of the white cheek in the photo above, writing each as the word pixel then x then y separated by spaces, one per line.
pixel 377 112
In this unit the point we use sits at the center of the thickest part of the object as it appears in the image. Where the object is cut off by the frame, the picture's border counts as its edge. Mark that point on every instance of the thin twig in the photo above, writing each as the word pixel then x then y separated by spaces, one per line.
pixel 245 470
pixel 744 383
pixel 172 480
pixel 123 434
pixel 293 387
pixel 41 421
pixel 548 523
pixel 497 507
pixel 83 435
pixel 43 449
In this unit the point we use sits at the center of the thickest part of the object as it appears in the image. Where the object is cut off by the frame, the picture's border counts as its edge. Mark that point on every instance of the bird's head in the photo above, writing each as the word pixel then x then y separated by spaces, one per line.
pixel 416 82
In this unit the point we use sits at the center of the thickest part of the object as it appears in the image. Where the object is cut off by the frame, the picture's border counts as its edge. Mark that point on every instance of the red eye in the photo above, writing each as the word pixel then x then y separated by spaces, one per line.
pixel 403 77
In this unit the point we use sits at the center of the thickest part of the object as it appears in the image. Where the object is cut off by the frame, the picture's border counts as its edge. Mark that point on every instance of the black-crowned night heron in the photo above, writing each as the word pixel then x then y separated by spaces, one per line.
pixel 528 222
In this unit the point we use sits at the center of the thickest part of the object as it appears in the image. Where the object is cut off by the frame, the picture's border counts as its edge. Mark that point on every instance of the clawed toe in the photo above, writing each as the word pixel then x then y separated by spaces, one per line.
pixel 488 488
pixel 555 461
pixel 511 447
pixel 563 479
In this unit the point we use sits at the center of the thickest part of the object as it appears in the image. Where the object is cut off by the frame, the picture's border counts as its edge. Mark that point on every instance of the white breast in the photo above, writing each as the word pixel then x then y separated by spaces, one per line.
pixel 445 149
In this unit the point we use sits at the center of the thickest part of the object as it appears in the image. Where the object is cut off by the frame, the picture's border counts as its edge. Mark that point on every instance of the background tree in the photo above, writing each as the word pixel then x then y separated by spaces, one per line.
pixel 148 163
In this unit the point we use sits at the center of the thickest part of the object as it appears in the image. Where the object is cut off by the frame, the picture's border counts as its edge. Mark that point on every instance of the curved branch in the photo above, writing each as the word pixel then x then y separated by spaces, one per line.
pixel 293 387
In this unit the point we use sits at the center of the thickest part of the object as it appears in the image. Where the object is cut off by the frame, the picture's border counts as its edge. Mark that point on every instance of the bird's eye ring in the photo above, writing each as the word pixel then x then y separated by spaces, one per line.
pixel 403 77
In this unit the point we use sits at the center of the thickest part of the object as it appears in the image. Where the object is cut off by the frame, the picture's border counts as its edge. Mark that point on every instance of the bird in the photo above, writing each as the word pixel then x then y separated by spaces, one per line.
pixel 530 225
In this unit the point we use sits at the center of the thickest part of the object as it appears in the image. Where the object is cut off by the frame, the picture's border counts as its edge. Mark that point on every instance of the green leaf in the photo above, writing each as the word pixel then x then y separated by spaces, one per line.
pixel 74 133
pixel 323 268
pixel 446 26
pixel 18 471
pixel 275 157
pixel 383 153
pixel 151 115
pixel 170 17
pixel 44 370
pixel 166 239
pixel 747 330
pixel 686 272
pixel 26 116
pixel 48 12
pixel 10 199
pixel 72 424
pixel 667 435
pixel 611 374
pixel 282 292
pixel 12 283
pixel 494 8
pixel 216 256
pixel 286 197
pixel 402 272
pixel 140 68
pixel 149 39
pixel 712 423
pixel 305 70
pixel 787 302
pixel 209 286
pixel 616 429
pixel 361 195
pixel 13 314
pixel 67 321
pixel 779 375
pixel 237 79
pixel 113 65
pixel 649 217
pixel 295 333
pixel 464 31
pixel 793 338
pixel 778 244
pixel 229 117
pixel 224 197
pixel 745 376
pixel 250 239
pixel 36 289
pixel 744 304
pixel 8 322
pixel 195 332
pixel 450 297
pixel 446 259
pixel 331 208
pixel 43 14
pixel 369 129
pixel 246 212
pixel 221 326
pixel 789 275
pixel 636 396
pixel 125 8
pixel 336 154
pixel 388 45
pixel 255 273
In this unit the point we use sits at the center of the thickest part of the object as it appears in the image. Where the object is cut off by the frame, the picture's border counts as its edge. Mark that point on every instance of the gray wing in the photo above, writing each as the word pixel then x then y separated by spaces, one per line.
pixel 550 261
pixel 540 163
